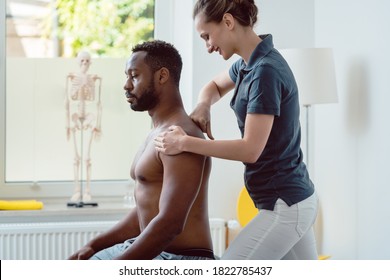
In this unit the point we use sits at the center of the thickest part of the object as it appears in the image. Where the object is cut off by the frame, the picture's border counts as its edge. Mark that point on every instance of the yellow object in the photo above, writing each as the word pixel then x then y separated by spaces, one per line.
pixel 20 205
pixel 246 209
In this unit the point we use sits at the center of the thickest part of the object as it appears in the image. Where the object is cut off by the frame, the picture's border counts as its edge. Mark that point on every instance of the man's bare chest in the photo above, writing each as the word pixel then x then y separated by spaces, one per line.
pixel 146 165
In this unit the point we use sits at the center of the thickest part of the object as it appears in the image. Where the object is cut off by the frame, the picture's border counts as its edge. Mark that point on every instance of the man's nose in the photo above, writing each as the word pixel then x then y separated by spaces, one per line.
pixel 128 85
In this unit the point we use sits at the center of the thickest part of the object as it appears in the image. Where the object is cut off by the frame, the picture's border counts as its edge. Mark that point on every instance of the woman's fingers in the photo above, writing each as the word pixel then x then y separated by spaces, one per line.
pixel 159 142
pixel 166 142
pixel 208 131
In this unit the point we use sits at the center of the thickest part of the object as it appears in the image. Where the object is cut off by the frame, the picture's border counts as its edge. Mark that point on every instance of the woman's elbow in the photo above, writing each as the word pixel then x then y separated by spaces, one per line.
pixel 251 157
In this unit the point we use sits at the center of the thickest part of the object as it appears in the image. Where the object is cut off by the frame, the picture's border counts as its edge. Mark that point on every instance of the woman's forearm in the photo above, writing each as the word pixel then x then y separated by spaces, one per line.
pixel 248 149
pixel 239 149
pixel 209 94
pixel 216 88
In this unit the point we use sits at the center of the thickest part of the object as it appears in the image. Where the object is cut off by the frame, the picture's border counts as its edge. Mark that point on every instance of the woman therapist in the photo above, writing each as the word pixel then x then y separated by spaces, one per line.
pixel 266 105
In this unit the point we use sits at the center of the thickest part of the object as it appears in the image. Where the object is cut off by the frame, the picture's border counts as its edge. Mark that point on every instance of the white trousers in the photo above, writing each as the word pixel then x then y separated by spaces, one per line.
pixel 284 233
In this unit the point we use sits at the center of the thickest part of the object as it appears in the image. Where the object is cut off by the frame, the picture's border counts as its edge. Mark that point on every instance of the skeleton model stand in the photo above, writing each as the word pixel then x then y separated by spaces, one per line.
pixel 83 120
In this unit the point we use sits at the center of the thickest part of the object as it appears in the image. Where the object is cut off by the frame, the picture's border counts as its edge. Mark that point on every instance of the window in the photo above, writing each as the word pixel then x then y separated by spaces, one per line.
pixel 43 38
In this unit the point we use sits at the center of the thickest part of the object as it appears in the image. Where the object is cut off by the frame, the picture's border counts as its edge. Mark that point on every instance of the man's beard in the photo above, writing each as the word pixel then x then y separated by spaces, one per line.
pixel 147 101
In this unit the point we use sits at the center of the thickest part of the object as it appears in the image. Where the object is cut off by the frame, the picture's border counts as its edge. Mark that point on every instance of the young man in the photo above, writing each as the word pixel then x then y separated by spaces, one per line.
pixel 170 220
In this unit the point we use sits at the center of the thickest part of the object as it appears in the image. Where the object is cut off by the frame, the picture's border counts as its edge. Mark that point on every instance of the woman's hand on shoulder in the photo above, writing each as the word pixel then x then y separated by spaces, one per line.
pixel 169 141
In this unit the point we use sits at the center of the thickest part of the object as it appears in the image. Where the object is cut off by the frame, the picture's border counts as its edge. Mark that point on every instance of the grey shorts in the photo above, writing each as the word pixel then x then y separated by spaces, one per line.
pixel 189 254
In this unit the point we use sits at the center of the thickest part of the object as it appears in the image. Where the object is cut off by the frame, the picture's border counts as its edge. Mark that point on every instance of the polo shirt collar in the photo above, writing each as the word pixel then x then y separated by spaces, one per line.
pixel 262 49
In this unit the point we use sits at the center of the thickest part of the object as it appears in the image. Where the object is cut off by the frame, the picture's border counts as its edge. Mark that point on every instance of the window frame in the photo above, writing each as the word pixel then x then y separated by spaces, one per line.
pixel 50 190
pixel 2 92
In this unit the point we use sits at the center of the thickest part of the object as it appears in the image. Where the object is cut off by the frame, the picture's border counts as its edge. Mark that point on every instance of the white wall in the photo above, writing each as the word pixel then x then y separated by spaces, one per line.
pixel 290 22
pixel 352 138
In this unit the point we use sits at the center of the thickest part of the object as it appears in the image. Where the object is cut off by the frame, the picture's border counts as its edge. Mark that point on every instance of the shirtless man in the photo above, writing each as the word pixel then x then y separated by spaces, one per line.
pixel 170 220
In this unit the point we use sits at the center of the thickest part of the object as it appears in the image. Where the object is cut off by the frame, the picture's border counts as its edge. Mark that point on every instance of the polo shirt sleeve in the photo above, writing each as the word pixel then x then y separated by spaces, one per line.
pixel 264 95
pixel 234 70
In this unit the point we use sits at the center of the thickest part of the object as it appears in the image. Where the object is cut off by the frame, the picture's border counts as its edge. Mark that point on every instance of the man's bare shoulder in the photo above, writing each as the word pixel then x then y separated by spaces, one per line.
pixel 191 128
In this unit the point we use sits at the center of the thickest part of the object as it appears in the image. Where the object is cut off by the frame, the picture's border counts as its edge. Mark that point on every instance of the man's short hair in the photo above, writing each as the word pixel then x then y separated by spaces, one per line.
pixel 161 54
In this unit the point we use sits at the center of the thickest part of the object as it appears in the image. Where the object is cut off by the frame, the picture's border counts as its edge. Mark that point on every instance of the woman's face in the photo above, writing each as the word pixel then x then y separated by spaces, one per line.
pixel 216 35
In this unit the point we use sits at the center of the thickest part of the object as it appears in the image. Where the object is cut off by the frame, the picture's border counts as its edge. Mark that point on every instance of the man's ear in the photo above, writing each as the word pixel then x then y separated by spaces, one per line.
pixel 163 75
pixel 228 20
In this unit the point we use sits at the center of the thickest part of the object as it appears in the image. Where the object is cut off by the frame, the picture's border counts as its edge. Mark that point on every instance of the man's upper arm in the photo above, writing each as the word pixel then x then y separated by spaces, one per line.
pixel 182 179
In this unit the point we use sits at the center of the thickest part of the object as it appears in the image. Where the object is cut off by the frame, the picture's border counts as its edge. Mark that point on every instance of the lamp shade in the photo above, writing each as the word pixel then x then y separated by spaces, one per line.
pixel 314 72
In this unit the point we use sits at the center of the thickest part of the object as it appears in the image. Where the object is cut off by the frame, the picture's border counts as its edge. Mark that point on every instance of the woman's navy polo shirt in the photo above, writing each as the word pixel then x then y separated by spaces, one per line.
pixel 267 86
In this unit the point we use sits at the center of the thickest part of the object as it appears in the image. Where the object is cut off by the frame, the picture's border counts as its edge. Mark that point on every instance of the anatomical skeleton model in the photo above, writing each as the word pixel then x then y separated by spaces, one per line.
pixel 83 120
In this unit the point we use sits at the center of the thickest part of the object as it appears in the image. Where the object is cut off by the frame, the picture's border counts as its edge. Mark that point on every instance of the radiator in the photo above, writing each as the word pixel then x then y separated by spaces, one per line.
pixel 57 241
pixel 218 235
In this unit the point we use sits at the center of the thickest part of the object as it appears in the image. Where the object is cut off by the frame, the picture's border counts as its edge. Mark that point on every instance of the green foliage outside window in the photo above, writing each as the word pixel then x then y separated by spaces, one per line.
pixel 107 28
